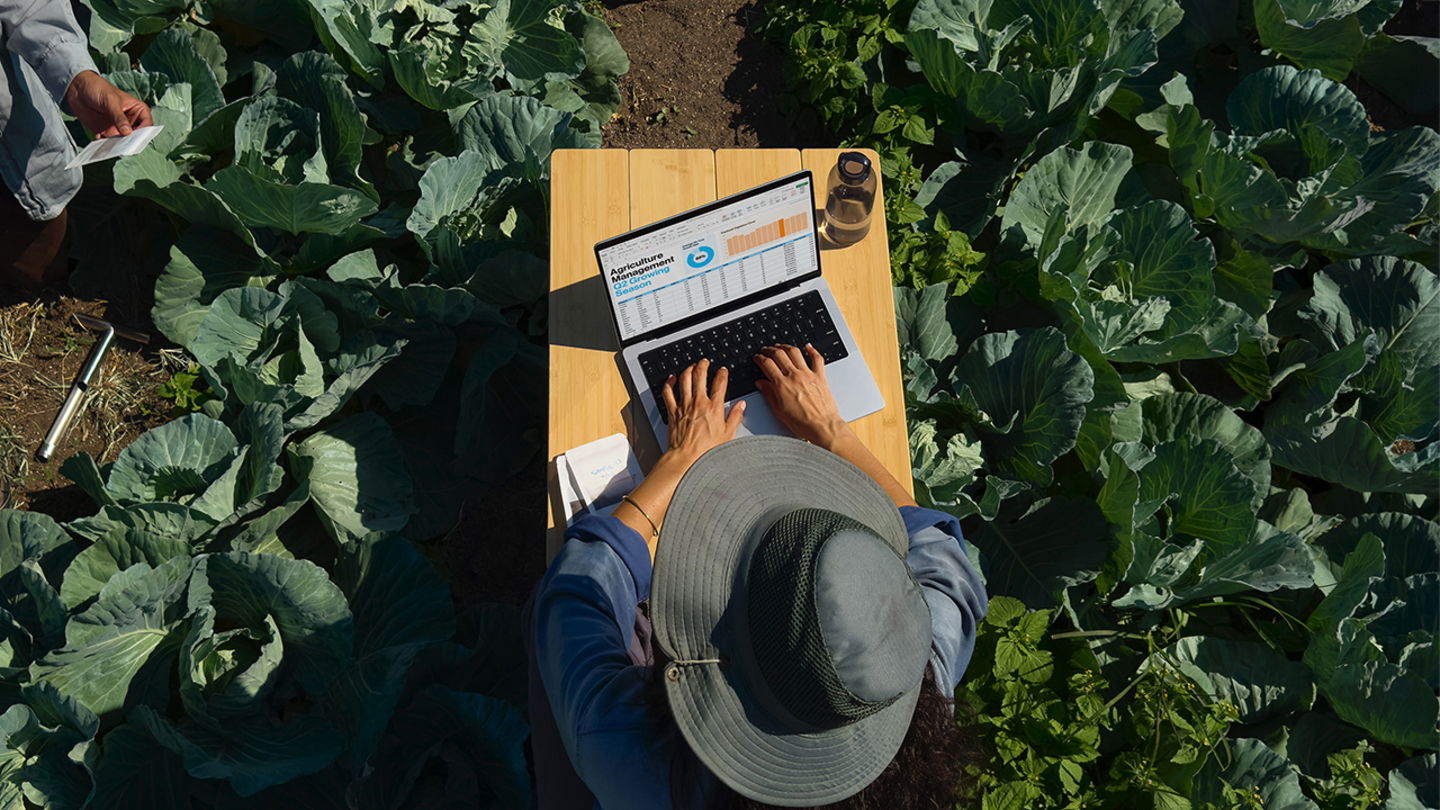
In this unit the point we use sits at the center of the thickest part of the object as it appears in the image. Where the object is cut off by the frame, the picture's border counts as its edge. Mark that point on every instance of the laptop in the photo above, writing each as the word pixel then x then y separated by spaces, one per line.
pixel 721 281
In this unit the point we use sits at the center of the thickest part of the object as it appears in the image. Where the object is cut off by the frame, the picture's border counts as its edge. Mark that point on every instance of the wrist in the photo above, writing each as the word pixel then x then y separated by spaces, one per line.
pixel 675 461
pixel 79 80
pixel 830 433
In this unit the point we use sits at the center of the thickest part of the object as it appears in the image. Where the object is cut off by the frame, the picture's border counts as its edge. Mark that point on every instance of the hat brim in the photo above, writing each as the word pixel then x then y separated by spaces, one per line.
pixel 712 517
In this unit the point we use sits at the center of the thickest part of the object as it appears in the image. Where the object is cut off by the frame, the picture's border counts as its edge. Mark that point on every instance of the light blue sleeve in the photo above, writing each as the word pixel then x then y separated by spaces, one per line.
pixel 46 36
pixel 584 618
pixel 953 589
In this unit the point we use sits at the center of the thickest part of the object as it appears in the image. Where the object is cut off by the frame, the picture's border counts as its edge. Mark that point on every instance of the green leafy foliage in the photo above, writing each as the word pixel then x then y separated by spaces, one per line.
pixel 1020 67
pixel 1301 167
pixel 348 211
pixel 1167 304
pixel 181 390
pixel 1178 380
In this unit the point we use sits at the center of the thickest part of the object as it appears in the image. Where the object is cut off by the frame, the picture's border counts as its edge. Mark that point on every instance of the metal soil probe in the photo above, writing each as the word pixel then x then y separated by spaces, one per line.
pixel 108 333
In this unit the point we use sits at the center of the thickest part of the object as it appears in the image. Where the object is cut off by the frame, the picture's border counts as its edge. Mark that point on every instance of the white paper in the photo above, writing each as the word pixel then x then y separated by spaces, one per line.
pixel 106 148
pixel 594 476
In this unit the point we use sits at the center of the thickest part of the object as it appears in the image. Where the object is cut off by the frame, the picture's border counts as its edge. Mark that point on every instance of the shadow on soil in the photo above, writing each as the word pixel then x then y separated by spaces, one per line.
pixel 756 87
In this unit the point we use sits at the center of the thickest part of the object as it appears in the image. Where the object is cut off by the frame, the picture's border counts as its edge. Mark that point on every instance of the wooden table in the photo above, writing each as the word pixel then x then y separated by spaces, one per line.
pixel 598 193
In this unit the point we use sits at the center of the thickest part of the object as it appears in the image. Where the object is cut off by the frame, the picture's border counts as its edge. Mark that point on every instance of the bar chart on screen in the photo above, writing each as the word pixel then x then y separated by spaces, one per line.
pixel 767 233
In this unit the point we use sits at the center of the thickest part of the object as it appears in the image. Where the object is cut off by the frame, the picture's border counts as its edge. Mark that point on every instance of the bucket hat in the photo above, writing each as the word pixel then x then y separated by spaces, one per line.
pixel 796 634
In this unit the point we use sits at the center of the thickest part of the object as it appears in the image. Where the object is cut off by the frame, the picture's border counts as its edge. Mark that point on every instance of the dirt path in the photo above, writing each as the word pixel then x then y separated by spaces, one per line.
pixel 699 77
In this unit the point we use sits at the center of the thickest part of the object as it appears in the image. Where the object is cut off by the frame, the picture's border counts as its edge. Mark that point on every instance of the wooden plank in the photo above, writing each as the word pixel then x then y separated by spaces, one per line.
pixel 662 182
pixel 859 275
pixel 739 169
pixel 590 201
pixel 668 181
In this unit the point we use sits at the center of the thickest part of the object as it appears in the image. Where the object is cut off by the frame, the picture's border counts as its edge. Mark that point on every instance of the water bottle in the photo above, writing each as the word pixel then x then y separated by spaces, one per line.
pixel 851 200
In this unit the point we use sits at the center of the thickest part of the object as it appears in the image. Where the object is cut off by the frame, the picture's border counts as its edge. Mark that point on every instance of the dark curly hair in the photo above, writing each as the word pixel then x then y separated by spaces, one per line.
pixel 931 771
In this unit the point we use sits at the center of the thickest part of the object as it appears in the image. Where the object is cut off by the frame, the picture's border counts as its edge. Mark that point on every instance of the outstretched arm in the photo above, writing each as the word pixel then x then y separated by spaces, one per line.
pixel 46 36
pixel 796 390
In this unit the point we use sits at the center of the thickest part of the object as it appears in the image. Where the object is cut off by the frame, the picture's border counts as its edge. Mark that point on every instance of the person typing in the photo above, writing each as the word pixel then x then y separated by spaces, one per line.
pixel 764 621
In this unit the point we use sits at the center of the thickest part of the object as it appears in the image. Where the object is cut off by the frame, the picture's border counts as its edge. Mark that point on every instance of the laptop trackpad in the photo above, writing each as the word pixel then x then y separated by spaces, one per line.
pixel 759 419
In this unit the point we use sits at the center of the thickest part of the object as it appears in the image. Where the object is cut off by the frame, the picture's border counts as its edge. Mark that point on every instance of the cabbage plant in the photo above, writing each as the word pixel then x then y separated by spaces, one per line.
pixel 1183 397
pixel 1019 66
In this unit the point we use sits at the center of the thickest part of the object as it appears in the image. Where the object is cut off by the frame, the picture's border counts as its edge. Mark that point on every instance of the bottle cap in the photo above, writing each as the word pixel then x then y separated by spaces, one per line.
pixel 854 166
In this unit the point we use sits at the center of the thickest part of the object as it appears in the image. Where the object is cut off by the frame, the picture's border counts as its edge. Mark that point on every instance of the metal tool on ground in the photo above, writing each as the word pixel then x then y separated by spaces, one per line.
pixel 108 333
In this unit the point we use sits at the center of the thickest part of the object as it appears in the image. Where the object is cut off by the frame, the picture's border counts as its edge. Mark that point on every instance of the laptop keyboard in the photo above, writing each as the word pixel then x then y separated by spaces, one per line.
pixel 797 321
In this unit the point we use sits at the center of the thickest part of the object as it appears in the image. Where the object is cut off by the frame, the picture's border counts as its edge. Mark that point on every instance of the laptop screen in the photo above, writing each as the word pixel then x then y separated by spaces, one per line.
pixel 723 252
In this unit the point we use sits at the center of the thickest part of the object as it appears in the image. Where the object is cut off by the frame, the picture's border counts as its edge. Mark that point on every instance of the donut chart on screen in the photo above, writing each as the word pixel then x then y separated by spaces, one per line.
pixel 701 256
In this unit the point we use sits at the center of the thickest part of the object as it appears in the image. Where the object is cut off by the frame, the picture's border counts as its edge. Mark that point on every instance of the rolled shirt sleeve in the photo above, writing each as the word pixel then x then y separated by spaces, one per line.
pixel 952 588
pixel 583 620
pixel 45 34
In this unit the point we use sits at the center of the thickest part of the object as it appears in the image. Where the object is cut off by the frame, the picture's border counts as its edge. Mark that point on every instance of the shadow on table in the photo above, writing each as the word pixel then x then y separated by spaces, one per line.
pixel 642 442
pixel 580 317
pixel 637 425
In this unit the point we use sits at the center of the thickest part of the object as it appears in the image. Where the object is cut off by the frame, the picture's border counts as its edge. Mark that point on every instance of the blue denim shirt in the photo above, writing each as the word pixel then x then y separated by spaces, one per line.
pixel 43 50
pixel 583 624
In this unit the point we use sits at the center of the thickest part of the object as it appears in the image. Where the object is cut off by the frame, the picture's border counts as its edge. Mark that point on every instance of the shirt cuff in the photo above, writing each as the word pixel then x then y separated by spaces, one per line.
pixel 918 517
pixel 61 63
pixel 627 544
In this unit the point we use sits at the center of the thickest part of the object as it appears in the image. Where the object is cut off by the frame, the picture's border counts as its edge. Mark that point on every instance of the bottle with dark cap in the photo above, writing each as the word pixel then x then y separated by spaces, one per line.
pixel 851 200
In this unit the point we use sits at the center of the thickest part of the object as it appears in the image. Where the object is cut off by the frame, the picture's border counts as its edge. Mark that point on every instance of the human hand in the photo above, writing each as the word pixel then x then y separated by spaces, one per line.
pixel 696 410
pixel 796 390
pixel 103 108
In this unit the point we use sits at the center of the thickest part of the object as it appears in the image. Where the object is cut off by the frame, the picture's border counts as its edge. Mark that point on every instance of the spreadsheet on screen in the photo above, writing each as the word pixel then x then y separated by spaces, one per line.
pixel 710 258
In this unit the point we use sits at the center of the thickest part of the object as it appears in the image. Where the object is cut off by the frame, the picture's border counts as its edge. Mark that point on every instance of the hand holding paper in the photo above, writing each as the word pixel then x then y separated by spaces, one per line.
pixel 103 108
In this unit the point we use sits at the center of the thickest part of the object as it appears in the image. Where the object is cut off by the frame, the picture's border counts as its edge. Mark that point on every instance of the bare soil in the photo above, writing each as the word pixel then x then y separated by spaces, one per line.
pixel 42 347
pixel 700 77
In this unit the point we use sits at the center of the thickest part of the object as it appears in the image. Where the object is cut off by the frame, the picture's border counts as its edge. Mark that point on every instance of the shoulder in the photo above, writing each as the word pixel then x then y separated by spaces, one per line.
pixel 918 519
